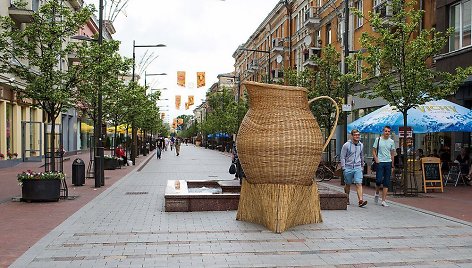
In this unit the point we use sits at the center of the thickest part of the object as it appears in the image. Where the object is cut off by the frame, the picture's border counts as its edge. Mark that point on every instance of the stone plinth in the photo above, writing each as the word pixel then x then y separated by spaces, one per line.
pixel 196 195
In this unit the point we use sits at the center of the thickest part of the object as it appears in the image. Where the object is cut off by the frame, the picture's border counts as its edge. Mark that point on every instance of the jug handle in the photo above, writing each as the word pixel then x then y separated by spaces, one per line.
pixel 335 122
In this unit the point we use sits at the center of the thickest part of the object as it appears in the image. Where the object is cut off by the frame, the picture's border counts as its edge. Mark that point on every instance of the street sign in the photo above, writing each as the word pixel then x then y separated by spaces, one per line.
pixel 347 107
pixel 409 132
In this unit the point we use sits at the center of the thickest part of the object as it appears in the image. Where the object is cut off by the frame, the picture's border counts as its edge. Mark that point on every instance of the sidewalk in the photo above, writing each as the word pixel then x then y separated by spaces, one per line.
pixel 126 226
pixel 23 224
pixel 455 201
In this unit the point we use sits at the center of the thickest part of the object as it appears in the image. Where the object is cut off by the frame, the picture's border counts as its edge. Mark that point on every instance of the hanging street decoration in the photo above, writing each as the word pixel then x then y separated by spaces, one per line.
pixel 190 100
pixel 200 79
pixel 177 102
pixel 181 78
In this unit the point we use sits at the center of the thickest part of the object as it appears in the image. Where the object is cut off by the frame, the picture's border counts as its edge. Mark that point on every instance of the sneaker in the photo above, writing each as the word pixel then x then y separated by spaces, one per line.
pixel 376 199
pixel 384 204
pixel 362 203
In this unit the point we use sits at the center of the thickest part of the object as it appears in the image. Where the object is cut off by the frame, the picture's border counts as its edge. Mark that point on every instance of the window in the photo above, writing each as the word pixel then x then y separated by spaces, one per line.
pixel 460 17
pixel 359 20
pixel 318 38
pixel 328 34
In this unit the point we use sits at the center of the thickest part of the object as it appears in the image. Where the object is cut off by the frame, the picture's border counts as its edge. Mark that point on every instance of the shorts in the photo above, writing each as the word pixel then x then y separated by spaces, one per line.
pixel 352 175
pixel 383 174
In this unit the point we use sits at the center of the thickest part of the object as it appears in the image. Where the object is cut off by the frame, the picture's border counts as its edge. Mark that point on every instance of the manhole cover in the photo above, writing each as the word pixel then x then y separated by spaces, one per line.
pixel 136 193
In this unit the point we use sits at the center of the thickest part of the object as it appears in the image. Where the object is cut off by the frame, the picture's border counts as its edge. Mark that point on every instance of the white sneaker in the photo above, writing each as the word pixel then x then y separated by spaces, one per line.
pixel 376 199
pixel 384 204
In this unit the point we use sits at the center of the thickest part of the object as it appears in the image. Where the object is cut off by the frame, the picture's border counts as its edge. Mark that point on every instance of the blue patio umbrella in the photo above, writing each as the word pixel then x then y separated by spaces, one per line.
pixel 433 116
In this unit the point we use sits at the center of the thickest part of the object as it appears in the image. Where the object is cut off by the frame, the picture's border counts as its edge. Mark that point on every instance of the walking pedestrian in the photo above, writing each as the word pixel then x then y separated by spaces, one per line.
pixel 177 143
pixel 352 159
pixel 383 151
pixel 166 141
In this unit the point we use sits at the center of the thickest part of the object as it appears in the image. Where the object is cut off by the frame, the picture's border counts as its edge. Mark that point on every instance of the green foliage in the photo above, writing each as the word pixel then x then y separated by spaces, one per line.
pixel 30 175
pixel 224 113
pixel 33 54
pixel 101 65
pixel 326 80
pixel 397 62
pixel 36 55
pixel 397 55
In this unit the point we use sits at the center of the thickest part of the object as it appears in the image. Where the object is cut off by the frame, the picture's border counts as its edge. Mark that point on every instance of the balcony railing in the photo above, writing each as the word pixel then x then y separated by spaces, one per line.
pixel 312 18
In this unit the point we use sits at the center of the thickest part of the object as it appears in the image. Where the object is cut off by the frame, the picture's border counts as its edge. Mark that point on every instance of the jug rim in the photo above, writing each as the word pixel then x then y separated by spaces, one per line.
pixel 274 86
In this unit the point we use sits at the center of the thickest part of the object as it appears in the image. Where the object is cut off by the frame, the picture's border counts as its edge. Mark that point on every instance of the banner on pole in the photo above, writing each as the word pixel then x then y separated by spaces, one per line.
pixel 181 78
pixel 177 102
pixel 200 79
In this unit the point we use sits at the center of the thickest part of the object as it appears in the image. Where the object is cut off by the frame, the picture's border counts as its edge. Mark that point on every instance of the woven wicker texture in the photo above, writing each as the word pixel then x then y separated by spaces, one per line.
pixel 279 140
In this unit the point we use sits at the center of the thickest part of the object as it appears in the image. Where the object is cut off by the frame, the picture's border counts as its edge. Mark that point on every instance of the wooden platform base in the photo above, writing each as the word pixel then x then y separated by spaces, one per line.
pixel 279 207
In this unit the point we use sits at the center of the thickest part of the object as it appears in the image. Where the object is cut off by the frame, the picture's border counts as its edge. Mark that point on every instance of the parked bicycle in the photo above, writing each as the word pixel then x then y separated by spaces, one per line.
pixel 327 170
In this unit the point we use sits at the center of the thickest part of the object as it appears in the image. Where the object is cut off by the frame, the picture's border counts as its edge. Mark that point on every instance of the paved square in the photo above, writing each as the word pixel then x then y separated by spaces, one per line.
pixel 119 229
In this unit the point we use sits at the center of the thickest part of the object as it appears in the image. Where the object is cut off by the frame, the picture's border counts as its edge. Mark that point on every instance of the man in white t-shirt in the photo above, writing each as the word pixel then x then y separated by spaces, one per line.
pixel 384 157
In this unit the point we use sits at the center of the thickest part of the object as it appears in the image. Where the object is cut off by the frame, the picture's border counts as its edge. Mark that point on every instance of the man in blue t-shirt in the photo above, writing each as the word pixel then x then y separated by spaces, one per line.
pixel 383 156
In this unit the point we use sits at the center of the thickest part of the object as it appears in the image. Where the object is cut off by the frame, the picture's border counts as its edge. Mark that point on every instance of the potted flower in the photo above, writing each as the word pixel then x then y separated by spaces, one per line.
pixel 110 162
pixel 39 186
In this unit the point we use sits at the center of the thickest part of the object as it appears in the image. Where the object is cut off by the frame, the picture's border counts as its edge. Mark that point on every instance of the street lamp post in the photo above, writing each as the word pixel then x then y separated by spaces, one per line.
pixel 146 75
pixel 268 60
pixel 133 127
pixel 99 155
pixel 346 54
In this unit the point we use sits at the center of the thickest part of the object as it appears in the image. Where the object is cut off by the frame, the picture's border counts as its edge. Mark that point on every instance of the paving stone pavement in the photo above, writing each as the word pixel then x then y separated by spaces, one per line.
pixel 126 226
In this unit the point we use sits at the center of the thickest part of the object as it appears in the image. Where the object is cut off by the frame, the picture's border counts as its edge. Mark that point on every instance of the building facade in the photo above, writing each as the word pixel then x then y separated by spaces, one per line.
pixel 21 125
pixel 296 30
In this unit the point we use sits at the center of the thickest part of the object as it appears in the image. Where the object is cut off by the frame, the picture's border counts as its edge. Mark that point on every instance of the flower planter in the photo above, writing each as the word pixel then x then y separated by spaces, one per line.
pixel 41 190
pixel 110 163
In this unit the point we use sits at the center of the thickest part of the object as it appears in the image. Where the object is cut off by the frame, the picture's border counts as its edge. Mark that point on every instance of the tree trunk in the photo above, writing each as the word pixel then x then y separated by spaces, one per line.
pixel 52 142
pixel 405 153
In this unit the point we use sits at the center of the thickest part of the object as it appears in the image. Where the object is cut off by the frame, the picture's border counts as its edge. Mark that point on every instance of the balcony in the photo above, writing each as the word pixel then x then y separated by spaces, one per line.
pixel 312 18
pixel 277 45
pixel 20 15
pixel 76 4
pixel 308 61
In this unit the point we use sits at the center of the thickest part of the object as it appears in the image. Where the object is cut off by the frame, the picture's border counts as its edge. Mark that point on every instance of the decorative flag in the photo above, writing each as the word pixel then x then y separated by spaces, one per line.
pixel 163 115
pixel 190 100
pixel 180 121
pixel 186 106
pixel 177 102
pixel 174 123
pixel 200 79
pixel 181 78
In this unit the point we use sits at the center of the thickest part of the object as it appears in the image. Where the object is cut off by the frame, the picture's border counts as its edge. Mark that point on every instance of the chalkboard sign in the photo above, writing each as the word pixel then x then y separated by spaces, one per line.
pixel 432 176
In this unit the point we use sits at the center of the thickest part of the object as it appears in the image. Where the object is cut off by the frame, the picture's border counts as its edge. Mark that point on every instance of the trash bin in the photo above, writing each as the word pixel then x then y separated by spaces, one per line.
pixel 78 172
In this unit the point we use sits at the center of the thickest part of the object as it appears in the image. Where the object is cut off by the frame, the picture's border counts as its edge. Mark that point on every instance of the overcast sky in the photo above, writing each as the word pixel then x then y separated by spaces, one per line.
pixel 201 35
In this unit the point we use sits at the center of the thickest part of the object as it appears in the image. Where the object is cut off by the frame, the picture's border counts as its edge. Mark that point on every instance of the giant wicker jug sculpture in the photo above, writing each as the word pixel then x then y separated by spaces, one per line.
pixel 279 145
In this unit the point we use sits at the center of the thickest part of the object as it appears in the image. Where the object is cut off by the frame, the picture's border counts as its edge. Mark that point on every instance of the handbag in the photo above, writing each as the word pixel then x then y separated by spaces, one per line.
pixel 374 165
pixel 232 168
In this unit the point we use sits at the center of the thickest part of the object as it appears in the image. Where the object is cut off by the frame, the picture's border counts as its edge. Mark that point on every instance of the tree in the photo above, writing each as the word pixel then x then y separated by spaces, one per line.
pixel 35 55
pixel 397 62
pixel 100 68
pixel 224 113
pixel 326 80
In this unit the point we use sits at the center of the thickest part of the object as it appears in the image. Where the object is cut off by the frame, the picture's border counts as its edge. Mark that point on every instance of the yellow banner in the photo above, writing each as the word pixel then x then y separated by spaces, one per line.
pixel 177 102
pixel 200 79
pixel 181 78
pixel 186 106
pixel 163 115
pixel 191 100
pixel 180 121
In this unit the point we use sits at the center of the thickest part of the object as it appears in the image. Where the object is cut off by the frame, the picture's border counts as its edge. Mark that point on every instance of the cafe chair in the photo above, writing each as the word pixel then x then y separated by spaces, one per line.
pixel 454 175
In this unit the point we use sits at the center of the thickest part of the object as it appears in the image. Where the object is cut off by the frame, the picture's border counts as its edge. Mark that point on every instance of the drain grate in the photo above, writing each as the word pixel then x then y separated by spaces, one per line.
pixel 136 193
